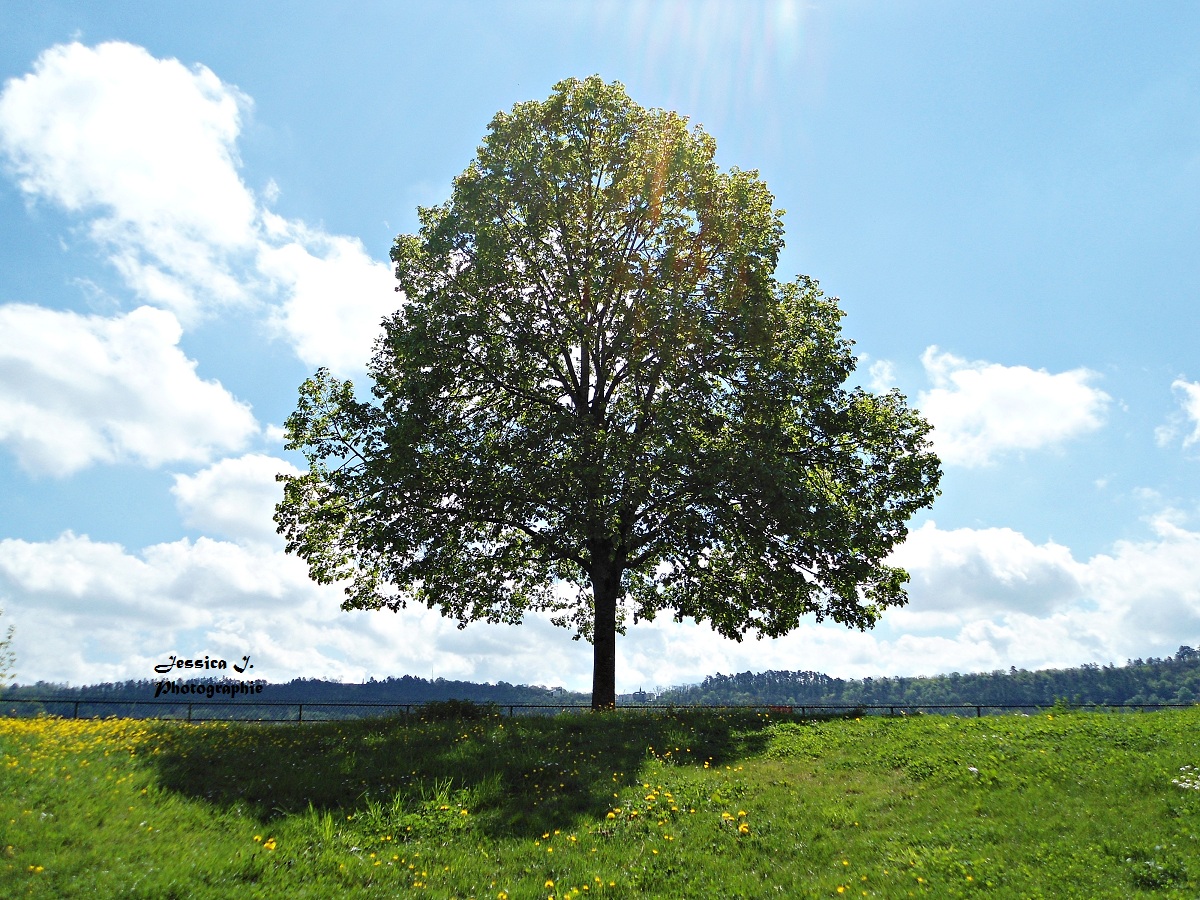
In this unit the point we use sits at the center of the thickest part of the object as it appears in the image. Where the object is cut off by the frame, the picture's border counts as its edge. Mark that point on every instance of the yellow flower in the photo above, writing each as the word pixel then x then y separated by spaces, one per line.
pixel 549 882
pixel 743 828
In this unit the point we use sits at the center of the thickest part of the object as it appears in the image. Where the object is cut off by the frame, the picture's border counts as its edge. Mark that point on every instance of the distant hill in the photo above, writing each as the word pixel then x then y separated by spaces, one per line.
pixel 406 689
pixel 1175 679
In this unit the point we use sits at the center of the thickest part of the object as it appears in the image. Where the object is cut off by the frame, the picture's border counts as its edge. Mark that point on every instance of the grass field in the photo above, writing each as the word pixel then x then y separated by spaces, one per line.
pixel 734 805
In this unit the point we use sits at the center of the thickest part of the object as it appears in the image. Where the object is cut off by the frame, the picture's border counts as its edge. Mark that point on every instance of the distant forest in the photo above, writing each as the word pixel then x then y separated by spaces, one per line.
pixel 407 689
pixel 1175 679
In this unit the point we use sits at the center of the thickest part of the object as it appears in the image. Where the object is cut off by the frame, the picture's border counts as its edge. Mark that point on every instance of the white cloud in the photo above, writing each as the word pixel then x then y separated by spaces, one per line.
pixel 319 275
pixel 1035 606
pixel 234 498
pixel 76 390
pixel 1190 401
pixel 969 570
pixel 86 611
pixel 982 410
pixel 980 600
pixel 145 150
pixel 1149 588
pixel 881 376
pixel 146 147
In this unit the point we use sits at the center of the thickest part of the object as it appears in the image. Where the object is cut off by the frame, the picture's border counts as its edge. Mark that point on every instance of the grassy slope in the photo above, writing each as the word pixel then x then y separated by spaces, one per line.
pixel 619 805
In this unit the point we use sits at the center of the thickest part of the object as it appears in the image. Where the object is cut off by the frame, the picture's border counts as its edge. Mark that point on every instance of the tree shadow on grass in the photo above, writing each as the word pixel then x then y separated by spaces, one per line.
pixel 516 775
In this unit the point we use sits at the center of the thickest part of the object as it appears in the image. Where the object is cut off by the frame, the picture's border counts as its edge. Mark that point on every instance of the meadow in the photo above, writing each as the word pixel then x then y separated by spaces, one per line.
pixel 731 804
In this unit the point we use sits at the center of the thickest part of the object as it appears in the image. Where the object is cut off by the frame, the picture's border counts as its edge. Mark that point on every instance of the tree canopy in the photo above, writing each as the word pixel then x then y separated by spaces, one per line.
pixel 594 380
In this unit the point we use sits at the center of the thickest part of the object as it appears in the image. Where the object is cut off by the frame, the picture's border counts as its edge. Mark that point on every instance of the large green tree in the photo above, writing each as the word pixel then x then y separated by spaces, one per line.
pixel 594 381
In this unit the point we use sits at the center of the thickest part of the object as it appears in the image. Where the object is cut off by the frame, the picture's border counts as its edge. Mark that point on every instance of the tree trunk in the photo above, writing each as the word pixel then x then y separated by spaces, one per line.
pixel 606 586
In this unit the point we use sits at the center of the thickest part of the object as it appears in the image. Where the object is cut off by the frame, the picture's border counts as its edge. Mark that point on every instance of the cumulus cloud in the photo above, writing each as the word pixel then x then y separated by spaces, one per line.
pixel 88 611
pixel 144 150
pixel 1149 588
pixel 982 410
pixel 1190 401
pixel 969 570
pixel 881 376
pixel 234 498
pixel 76 390
pixel 1035 605
pixel 980 600
pixel 319 273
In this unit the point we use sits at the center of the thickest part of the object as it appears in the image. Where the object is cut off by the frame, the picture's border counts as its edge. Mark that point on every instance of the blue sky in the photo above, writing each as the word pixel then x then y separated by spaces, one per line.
pixel 196 205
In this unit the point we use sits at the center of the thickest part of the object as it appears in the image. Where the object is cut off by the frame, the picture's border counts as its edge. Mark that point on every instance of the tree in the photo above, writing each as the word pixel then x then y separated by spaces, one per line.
pixel 595 380
pixel 7 657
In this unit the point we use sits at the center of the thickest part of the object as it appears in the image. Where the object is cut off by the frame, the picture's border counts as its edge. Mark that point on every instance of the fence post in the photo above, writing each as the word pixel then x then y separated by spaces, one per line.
pixel 75 715
pixel 300 712
pixel 978 712
pixel 189 718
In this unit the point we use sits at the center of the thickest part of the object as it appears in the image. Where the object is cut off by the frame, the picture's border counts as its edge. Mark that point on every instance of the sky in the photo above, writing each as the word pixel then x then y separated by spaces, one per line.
pixel 196 207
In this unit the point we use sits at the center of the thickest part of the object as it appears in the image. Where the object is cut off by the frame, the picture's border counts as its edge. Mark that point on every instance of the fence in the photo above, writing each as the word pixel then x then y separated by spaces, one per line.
pixel 262 712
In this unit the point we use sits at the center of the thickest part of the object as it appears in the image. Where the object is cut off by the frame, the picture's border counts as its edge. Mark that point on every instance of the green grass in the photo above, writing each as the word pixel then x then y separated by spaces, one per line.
pixel 606 805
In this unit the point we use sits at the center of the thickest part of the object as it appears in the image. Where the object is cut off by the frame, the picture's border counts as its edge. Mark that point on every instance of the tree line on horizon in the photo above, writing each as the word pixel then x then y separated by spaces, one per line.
pixel 1174 679
pixel 403 689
